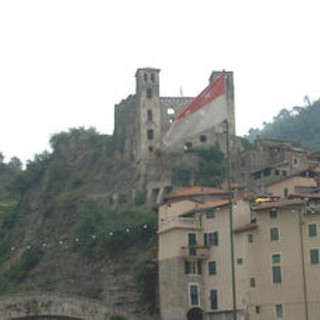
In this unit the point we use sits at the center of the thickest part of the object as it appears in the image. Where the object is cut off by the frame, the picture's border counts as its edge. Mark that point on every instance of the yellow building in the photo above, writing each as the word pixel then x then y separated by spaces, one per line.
pixel 276 260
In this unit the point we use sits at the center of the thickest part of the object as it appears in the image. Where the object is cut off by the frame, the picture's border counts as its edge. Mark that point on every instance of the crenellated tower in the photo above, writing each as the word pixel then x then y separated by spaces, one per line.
pixel 148 138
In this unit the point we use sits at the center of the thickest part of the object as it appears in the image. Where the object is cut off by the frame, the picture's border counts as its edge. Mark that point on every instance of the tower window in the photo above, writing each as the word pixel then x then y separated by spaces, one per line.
pixel 150 148
pixel 153 77
pixel 145 77
pixel 170 111
pixel 203 138
pixel 150 134
pixel 149 115
pixel 149 93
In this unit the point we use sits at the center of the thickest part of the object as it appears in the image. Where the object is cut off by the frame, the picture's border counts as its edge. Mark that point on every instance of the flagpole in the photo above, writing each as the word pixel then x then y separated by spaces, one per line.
pixel 234 299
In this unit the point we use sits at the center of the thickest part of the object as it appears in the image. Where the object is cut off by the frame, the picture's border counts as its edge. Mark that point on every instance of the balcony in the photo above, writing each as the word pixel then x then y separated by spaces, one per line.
pixel 196 252
pixel 179 223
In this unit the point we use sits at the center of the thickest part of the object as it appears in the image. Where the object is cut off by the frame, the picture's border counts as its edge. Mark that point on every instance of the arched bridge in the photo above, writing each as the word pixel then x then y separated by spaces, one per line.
pixel 43 306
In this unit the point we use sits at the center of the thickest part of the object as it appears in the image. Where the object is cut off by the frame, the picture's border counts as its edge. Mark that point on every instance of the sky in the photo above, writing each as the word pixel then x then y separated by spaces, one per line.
pixel 66 63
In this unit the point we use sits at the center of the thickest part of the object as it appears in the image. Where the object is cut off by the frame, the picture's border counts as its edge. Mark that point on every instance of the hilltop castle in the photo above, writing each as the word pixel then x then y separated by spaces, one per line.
pixel 141 120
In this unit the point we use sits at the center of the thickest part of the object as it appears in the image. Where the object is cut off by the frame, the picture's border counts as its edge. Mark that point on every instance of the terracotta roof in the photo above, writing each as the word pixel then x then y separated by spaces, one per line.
pixel 280 203
pixel 196 191
pixel 207 205
pixel 279 164
pixel 212 204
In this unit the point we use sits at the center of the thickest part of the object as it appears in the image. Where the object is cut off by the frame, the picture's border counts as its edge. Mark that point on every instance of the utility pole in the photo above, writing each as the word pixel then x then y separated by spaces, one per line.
pixel 233 275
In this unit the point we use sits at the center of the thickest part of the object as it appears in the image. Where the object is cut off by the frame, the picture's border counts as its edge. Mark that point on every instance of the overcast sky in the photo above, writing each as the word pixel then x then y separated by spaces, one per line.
pixel 65 63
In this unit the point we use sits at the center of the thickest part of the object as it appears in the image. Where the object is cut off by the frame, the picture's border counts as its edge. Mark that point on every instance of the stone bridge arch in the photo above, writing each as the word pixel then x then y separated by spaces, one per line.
pixel 49 306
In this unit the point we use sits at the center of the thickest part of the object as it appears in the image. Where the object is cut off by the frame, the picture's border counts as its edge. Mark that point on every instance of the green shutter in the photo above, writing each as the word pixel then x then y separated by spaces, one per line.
pixel 187 267
pixel 276 274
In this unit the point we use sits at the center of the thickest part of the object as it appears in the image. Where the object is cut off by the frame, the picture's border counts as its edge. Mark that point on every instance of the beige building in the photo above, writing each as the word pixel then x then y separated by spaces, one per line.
pixel 303 181
pixel 276 259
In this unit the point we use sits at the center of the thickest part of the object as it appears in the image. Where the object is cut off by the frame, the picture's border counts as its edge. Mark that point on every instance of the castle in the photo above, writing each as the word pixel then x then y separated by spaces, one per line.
pixel 141 122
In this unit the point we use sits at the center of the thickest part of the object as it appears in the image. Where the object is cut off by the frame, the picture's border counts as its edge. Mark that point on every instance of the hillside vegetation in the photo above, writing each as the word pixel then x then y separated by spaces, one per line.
pixel 61 230
pixel 300 124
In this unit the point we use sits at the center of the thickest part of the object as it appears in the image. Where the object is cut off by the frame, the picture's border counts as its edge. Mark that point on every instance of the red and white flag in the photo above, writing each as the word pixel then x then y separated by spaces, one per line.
pixel 208 109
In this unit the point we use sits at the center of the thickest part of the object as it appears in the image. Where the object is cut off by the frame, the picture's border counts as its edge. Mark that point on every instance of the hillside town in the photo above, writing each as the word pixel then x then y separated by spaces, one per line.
pixel 172 217
pixel 250 252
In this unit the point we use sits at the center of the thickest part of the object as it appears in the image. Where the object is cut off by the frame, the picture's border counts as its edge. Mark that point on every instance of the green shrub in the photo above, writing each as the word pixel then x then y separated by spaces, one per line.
pixel 181 174
pixel 28 260
pixel 146 275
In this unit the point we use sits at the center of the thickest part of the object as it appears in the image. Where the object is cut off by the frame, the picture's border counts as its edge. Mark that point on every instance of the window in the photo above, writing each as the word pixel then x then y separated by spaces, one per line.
pixel 188 146
pixel 276 274
pixel 150 148
pixel 250 238
pixel 239 261
pixel 149 93
pixel 273 214
pixel 276 268
pixel 194 294
pixel 284 173
pixel 170 111
pixel 277 172
pixel 314 256
pixel 203 138
pixel 150 134
pixel 257 309
pixel 279 310
pixel 274 234
pixel 192 240
pixel 214 299
pixel 213 238
pixel 285 193
pixel 276 258
pixel 145 77
pixel 192 267
pixel 211 214
pixel 252 282
pixel 267 172
pixel 149 114
pixel 212 268
pixel 153 77
pixel 312 230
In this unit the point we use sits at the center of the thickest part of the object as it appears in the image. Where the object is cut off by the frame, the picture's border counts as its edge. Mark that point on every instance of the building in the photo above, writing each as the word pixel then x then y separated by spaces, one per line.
pixel 276 260
pixel 303 181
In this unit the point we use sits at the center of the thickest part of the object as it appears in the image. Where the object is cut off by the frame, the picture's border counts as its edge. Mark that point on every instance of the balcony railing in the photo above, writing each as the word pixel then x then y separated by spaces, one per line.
pixel 195 251
pixel 178 222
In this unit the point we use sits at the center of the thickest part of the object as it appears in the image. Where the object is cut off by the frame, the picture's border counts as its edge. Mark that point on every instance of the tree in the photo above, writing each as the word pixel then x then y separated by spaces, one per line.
pixel 15 164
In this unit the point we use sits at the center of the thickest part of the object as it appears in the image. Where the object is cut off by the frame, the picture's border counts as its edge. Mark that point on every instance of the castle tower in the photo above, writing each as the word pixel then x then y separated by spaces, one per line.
pixel 149 113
